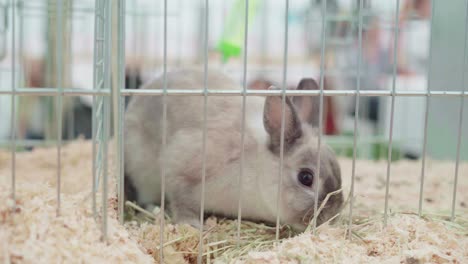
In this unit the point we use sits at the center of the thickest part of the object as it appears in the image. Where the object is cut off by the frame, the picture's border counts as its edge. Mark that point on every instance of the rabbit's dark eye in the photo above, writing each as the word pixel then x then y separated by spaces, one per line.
pixel 305 177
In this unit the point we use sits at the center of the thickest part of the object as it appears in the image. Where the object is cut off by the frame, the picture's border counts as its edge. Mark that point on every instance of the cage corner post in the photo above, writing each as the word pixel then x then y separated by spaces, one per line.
pixel 118 101
pixel 101 104
pixel 106 118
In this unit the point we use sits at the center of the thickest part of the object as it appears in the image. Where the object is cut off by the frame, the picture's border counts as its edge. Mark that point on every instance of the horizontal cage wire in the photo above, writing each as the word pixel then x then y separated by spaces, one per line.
pixel 204 131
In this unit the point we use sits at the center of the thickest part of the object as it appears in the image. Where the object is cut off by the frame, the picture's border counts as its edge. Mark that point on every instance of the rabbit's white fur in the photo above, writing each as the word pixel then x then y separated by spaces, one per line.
pixel 183 158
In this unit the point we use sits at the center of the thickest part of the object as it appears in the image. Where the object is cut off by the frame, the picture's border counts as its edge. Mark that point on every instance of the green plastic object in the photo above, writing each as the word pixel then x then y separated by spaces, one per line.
pixel 232 40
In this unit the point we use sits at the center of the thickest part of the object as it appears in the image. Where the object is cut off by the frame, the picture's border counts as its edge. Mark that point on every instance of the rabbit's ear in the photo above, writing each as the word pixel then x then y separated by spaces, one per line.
pixel 272 116
pixel 307 106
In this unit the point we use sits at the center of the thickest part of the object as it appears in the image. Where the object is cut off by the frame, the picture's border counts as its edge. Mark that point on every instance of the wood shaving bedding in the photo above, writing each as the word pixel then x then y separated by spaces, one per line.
pixel 33 234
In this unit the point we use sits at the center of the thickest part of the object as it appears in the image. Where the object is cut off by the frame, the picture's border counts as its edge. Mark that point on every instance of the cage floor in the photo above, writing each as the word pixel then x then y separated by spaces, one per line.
pixel 33 233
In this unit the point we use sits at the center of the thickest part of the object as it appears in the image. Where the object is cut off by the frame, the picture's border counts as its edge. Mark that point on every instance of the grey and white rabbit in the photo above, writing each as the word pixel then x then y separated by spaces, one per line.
pixel 183 157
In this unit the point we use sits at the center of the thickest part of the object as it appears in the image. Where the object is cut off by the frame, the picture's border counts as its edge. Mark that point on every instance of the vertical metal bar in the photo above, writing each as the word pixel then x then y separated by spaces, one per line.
pixel 460 122
pixel 13 105
pixel 23 65
pixel 133 77
pixel 356 118
pixel 122 155
pixel 105 170
pixel 392 109
pixel 264 35
pixel 94 121
pixel 59 107
pixel 322 73
pixel 283 116
pixel 164 137
pixel 426 116
pixel 118 116
pixel 205 113
pixel 71 115
pixel 244 99
pixel 94 187
pixel 106 116
pixel 180 34
pixel 71 121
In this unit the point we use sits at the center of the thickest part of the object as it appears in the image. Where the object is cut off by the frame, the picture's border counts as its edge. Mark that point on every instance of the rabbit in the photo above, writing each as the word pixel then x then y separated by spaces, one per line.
pixel 183 157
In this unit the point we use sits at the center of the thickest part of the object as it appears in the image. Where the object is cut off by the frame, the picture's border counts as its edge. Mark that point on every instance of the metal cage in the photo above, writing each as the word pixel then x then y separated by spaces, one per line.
pixel 108 88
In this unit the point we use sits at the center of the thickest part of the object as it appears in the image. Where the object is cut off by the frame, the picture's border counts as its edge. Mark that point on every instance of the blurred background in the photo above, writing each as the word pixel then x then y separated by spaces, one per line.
pixel 436 62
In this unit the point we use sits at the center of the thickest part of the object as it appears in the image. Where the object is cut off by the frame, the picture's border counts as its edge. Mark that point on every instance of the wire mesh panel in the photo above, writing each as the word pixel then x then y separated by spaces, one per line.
pixel 338 50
